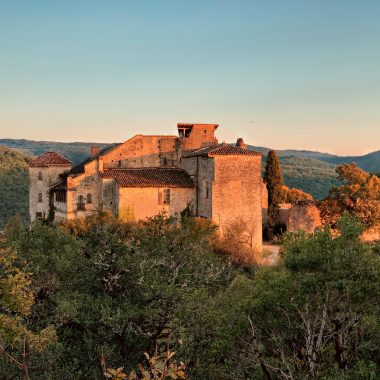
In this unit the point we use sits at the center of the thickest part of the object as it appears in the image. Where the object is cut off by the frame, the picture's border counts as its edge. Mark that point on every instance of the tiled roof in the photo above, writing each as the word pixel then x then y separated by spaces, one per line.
pixel 222 150
pixel 50 159
pixel 183 125
pixel 79 169
pixel 149 177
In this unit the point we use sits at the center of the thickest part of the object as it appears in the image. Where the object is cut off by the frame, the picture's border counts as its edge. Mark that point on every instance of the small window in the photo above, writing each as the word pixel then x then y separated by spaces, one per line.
pixel 207 189
pixel 38 215
pixel 40 178
pixel 39 197
pixel 165 161
pixel 81 205
pixel 164 197
pixel 89 198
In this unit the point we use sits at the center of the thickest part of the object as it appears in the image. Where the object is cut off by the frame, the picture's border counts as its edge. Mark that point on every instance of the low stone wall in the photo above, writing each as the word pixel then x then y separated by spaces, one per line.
pixel 304 216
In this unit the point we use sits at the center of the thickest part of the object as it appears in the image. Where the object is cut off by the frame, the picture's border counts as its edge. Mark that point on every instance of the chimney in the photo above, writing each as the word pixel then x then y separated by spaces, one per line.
pixel 240 143
pixel 95 150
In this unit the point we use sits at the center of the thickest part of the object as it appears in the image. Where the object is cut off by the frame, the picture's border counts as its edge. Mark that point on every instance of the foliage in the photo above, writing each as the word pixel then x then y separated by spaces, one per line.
pixel 310 175
pixel 293 195
pixel 159 367
pixel 359 195
pixel 317 314
pixel 17 341
pixel 13 186
pixel 113 291
pixel 273 181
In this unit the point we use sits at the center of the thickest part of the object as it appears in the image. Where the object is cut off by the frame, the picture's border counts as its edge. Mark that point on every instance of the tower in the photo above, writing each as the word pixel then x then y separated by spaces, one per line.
pixel 44 172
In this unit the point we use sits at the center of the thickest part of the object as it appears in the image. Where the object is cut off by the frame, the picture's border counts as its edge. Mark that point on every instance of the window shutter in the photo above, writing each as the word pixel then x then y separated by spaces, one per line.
pixel 159 197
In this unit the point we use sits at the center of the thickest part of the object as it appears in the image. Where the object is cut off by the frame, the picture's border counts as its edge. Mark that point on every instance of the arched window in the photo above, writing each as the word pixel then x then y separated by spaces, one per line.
pixel 40 178
pixel 89 198
pixel 81 205
pixel 39 197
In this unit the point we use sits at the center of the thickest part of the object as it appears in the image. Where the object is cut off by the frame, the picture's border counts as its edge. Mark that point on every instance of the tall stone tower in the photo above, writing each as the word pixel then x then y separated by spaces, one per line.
pixel 44 172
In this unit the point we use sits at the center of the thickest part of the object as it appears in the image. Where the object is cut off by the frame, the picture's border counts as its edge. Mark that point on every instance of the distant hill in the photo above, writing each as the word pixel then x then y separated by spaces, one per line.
pixel 14 198
pixel 369 162
pixel 75 152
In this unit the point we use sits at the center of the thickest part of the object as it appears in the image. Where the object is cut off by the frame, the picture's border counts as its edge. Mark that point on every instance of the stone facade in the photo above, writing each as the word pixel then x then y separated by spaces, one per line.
pixel 147 175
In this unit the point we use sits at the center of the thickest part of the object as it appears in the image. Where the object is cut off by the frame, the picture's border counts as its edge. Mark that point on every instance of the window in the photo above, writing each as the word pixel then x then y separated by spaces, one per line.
pixel 60 196
pixel 38 215
pixel 89 198
pixel 39 197
pixel 207 189
pixel 164 197
pixel 40 178
pixel 81 205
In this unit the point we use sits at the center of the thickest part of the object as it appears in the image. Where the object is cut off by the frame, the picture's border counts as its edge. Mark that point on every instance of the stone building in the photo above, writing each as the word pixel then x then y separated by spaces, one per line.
pixel 147 175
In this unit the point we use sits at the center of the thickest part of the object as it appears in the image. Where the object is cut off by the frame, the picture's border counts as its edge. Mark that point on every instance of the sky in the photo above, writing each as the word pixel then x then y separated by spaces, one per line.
pixel 302 74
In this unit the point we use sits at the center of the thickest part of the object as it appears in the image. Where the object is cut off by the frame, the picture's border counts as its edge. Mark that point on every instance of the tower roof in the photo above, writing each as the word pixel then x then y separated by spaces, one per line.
pixel 50 159
pixel 222 150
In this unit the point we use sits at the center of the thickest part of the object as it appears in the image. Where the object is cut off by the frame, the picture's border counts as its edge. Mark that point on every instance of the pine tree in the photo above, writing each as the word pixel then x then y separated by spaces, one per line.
pixel 274 183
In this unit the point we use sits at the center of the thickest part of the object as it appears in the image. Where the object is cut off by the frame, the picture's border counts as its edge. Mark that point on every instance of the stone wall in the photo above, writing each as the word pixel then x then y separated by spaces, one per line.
pixel 141 203
pixel 204 189
pixel 237 194
pixel 305 216
pixel 201 135
pixel 84 185
pixel 50 175
pixel 143 151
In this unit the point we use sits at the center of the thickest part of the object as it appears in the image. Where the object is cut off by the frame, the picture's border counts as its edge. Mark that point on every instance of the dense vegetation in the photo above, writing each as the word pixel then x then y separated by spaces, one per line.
pixel 107 292
pixel 13 185
pixel 312 176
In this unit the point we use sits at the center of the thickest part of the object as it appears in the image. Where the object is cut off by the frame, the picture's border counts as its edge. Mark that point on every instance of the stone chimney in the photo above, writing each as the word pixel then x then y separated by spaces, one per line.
pixel 240 143
pixel 95 150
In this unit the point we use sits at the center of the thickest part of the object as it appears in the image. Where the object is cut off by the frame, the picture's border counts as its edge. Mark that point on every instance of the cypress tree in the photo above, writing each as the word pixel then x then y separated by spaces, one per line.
pixel 273 180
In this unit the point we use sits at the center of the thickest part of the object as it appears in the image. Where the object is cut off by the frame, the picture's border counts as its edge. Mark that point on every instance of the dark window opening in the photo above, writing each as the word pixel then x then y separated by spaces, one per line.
pixel 207 189
pixel 60 196
pixel 89 198
pixel 39 197
pixel 38 215
pixel 40 178
pixel 81 205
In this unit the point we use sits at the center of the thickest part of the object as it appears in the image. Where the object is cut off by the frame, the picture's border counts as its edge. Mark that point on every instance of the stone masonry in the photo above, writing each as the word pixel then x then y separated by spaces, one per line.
pixel 147 175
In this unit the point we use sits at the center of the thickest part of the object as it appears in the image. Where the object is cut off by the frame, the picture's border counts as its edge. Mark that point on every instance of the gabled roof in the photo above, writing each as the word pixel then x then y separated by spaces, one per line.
pixel 149 177
pixel 79 169
pixel 222 150
pixel 50 159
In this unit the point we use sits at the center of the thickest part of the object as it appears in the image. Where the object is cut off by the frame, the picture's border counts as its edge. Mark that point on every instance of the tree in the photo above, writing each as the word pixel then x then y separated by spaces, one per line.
pixel 17 341
pixel 274 183
pixel 316 315
pixel 291 195
pixel 359 195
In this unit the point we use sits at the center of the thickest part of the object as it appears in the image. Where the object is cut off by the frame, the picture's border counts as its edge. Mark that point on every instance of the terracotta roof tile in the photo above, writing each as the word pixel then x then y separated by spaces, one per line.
pixel 50 159
pixel 222 150
pixel 149 177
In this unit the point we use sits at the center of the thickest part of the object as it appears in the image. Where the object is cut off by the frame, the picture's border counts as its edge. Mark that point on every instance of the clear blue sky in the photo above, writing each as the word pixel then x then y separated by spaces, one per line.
pixel 280 73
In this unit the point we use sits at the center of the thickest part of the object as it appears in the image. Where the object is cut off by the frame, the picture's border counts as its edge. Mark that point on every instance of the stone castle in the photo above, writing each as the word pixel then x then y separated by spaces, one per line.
pixel 147 175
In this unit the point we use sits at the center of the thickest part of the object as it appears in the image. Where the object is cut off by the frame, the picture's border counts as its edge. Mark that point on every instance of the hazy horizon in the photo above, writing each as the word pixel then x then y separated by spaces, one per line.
pixel 285 75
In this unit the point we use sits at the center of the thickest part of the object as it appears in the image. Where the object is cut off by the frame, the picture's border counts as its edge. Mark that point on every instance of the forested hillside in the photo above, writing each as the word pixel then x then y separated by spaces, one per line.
pixel 13 185
pixel 75 152
pixel 310 175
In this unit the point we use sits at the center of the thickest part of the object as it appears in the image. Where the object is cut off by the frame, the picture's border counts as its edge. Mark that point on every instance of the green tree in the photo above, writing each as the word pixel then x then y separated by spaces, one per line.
pixel 274 183
pixel 359 194
pixel 317 314
pixel 17 342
